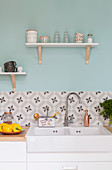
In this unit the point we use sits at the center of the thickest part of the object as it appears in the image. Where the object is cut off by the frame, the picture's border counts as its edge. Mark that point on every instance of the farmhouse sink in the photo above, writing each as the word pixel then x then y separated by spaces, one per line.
pixel 68 139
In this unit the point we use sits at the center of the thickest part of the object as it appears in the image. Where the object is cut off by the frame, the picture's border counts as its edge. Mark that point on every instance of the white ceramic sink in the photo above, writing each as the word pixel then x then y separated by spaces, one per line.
pixel 68 131
pixel 68 139
pixel 48 131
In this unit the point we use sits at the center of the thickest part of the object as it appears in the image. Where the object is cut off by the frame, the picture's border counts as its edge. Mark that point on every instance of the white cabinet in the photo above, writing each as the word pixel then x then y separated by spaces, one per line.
pixel 69 161
pixel 95 166
pixel 71 166
pixel 12 151
pixel 12 155
pixel 13 166
pixel 42 166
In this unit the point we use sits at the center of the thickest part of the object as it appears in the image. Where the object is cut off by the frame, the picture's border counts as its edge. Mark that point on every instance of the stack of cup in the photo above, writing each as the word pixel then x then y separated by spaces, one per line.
pixel 79 38
pixel 66 37
pixel 56 37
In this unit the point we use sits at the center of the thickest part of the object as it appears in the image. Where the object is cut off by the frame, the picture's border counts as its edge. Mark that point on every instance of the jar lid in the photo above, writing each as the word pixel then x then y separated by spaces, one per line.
pixel 31 30
pixel 8 113
pixel 89 34
pixel 57 32
pixel 44 36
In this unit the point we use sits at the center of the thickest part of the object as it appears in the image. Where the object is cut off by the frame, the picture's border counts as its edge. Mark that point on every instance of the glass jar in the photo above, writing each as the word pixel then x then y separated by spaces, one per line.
pixel 66 37
pixel 8 118
pixel 31 36
pixel 56 37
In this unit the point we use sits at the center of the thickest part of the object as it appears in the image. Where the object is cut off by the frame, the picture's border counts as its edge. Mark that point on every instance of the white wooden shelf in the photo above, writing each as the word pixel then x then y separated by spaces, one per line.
pixel 79 45
pixel 13 77
pixel 61 44
pixel 13 73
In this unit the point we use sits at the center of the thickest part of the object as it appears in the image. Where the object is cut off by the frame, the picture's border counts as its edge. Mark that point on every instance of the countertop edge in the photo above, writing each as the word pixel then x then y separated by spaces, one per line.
pixel 19 137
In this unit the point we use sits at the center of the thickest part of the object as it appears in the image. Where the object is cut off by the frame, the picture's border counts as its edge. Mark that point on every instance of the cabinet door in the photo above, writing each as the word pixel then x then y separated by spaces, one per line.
pixel 43 166
pixel 95 166
pixel 12 166
pixel 71 166
pixel 12 151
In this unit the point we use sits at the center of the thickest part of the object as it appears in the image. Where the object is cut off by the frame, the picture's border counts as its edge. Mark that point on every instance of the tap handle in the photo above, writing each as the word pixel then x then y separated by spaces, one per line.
pixel 71 117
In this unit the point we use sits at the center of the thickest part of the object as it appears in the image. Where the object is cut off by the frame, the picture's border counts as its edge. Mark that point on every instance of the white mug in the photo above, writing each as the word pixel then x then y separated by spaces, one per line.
pixel 0 69
pixel 20 69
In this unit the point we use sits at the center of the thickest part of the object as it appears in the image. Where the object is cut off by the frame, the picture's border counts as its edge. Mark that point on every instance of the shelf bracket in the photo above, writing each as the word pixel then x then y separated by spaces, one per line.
pixel 87 54
pixel 13 82
pixel 40 54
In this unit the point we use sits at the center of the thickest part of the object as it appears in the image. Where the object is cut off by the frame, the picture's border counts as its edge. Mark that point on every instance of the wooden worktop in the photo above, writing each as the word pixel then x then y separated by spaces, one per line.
pixel 109 128
pixel 18 137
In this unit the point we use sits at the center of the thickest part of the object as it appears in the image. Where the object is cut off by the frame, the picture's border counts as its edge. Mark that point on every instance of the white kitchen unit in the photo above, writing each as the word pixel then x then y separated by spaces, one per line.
pixel 71 166
pixel 69 149
pixel 12 166
pixel 70 161
pixel 12 155
pixel 41 151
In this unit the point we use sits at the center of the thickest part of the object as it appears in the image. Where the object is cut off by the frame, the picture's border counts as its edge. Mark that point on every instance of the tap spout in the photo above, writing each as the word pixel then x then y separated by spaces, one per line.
pixel 66 113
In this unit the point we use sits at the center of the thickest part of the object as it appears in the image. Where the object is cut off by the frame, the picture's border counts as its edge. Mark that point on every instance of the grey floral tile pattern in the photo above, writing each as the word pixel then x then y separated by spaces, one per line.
pixel 24 104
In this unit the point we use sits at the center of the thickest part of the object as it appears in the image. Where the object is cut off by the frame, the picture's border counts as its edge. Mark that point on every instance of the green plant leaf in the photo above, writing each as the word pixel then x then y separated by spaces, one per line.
pixel 107 109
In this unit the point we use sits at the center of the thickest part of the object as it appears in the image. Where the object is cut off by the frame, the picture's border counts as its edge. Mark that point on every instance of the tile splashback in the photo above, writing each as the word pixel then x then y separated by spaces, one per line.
pixel 24 104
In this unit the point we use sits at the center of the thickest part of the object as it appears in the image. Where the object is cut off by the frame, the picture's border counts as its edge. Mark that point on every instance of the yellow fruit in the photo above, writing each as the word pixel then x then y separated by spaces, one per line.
pixel 7 128
pixel 16 127
pixel 2 125
pixel 0 129
pixel 13 124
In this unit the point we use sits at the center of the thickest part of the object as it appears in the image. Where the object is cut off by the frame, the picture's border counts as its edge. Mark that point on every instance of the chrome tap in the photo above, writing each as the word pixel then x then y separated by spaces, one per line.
pixel 66 121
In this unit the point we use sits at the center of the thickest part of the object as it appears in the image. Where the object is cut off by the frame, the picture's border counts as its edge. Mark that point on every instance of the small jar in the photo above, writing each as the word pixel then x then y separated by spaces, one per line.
pixel 44 39
pixel 8 118
pixel 90 38
pixel 66 37
pixel 56 37
pixel 31 36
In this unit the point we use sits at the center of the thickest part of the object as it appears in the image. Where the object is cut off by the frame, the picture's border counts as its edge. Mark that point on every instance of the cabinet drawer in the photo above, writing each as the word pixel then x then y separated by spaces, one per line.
pixel 95 166
pixel 12 166
pixel 71 166
pixel 12 151
pixel 70 157
pixel 43 166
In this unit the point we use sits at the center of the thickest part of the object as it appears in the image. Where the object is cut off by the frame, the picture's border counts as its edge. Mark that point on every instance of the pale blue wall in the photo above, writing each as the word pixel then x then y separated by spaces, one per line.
pixel 61 69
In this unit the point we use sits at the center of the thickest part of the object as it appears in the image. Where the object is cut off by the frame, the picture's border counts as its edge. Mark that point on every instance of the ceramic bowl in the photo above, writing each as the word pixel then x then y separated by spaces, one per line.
pixel 79 37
